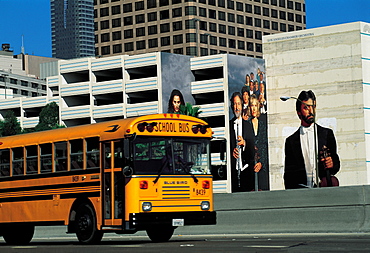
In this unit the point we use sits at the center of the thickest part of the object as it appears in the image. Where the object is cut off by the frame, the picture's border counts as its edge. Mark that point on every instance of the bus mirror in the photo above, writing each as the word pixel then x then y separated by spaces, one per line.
pixel 127 171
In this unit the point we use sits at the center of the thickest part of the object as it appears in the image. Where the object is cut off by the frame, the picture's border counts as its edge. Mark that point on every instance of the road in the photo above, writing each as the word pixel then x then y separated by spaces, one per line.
pixel 49 239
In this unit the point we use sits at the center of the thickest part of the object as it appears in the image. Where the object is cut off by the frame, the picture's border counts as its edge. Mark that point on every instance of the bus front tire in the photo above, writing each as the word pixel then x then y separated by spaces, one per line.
pixel 86 227
pixel 160 233
pixel 18 234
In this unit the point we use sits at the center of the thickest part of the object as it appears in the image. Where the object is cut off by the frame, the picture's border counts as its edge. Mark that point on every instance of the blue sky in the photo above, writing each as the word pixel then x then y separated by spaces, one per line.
pixel 31 18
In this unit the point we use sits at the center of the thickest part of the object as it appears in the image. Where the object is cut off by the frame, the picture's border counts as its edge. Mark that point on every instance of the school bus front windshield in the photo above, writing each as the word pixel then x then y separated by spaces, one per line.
pixel 179 156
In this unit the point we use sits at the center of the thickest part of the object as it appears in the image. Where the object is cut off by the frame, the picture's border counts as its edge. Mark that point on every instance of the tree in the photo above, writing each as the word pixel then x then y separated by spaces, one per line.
pixel 49 117
pixel 10 125
pixel 190 110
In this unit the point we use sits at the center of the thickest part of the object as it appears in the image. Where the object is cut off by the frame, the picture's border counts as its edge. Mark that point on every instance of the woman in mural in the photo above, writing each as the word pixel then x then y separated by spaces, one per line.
pixel 247 80
pixel 259 126
pixel 176 99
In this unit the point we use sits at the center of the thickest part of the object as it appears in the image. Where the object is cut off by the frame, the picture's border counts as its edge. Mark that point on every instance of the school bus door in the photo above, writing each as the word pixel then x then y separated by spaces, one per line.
pixel 113 184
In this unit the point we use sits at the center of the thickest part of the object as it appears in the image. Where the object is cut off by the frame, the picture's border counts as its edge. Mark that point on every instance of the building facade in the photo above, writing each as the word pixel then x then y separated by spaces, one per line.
pixel 333 62
pixel 192 27
pixel 72 28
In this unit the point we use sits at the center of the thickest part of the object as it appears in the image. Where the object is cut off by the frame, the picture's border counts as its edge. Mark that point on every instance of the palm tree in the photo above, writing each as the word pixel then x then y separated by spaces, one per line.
pixel 190 110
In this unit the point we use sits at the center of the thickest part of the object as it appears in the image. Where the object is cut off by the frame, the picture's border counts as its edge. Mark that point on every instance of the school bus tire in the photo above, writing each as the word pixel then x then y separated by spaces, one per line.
pixel 159 233
pixel 86 225
pixel 18 234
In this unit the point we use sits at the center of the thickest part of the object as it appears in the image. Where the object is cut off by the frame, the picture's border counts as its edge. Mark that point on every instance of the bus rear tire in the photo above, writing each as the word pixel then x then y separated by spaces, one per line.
pixel 86 226
pixel 18 234
pixel 160 233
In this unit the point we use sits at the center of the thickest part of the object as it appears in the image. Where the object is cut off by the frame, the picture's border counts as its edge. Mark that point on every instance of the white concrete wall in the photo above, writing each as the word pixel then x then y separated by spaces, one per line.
pixel 327 60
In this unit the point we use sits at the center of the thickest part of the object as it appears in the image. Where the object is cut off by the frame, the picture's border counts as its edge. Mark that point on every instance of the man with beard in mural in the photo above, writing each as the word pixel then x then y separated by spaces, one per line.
pixel 241 147
pixel 300 154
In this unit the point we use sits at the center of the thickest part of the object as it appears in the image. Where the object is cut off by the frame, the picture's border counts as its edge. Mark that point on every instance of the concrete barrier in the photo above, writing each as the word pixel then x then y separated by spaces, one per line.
pixel 336 209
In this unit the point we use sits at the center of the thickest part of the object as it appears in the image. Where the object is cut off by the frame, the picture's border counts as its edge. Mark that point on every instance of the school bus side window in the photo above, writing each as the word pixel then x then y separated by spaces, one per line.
pixel 31 159
pixel 17 164
pixel 61 156
pixel 46 157
pixel 77 158
pixel 4 163
pixel 92 153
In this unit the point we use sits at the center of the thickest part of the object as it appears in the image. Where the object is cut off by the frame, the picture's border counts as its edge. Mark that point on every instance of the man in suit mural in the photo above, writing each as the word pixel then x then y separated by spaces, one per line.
pixel 300 154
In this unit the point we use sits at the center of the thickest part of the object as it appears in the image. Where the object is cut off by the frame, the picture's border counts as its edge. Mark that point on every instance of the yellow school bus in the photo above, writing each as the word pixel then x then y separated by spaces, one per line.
pixel 146 173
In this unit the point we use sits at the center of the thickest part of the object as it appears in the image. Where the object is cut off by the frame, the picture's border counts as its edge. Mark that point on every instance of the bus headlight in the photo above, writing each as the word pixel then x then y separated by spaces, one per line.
pixel 147 206
pixel 205 205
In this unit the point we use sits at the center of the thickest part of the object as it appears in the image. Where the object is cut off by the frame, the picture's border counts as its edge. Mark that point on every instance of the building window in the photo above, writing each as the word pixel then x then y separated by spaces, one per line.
pixel 203 25
pixel 257 22
pixel 203 51
pixel 213 40
pixel 240 32
pixel 164 28
pixel 178 39
pixel 230 5
pixel 222 29
pixel 282 27
pixel 258 48
pixel 282 15
pixel 204 39
pixel 191 51
pixel 190 10
pixel 116 9
pixel 177 12
pixel 104 12
pixel 250 46
pixel 116 22
pixel 105 50
pixel 298 18
pixel 221 15
pixel 104 24
pixel 290 28
pixel 298 28
pixel 212 2
pixel 266 24
pixel 212 51
pixel 290 5
pixel 127 21
pixel 104 37
pixel 165 14
pixel 176 1
pixel 275 26
pixel 241 44
pixel 212 27
pixel 266 11
pixel 274 2
pixel 151 4
pixel 140 19
pixel 239 6
pixel 127 8
pixel 191 37
pixel 212 14
pixel 239 19
pixel 178 51
pixel 139 6
pixel 129 46
pixel 248 8
pixel 164 2
pixel 152 16
pixel 258 35
pixel 298 6
pixel 152 29
pixel 176 26
pixel 232 43
pixel 249 33
pixel 221 3
pixel 231 30
pixel 222 42
pixel 274 13
pixel 282 3
pixel 290 16
pixel 202 12
pixel 117 49
pixel 153 43
pixel 128 33
pixel 140 31
pixel 248 21
pixel 116 35
pixel 165 41
pixel 230 17
pixel 140 44
pixel 24 92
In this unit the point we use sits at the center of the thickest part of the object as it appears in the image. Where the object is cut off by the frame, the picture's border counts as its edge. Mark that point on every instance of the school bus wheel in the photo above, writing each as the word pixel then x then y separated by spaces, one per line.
pixel 18 234
pixel 160 233
pixel 85 225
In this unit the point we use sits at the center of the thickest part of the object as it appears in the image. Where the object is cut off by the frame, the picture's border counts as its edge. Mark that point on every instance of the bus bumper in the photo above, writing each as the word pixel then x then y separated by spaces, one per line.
pixel 144 220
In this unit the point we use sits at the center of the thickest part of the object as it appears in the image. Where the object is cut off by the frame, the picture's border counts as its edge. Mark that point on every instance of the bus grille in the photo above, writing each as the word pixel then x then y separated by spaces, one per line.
pixel 175 192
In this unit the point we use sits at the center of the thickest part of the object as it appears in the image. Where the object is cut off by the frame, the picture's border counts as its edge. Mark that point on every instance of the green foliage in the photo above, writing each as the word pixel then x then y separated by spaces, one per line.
pixel 190 110
pixel 49 117
pixel 10 125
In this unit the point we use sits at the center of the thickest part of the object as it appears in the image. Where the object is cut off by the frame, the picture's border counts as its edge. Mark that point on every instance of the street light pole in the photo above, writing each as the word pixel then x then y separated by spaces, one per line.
pixel 4 76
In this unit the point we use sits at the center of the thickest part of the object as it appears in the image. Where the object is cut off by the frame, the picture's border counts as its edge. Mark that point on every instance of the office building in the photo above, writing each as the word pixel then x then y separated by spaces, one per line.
pixel 192 27
pixel 72 28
